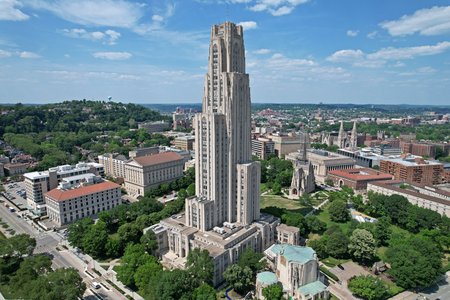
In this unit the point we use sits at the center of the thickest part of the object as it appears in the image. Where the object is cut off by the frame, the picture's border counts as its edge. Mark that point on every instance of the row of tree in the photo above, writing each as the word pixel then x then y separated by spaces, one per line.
pixel 27 276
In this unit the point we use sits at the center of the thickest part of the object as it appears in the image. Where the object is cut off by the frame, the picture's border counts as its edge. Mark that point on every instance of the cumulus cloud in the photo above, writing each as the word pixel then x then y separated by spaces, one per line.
pixel 372 35
pixel 107 37
pixel 352 33
pixel 380 57
pixel 248 25
pixel 10 11
pixel 428 21
pixel 276 7
pixel 112 55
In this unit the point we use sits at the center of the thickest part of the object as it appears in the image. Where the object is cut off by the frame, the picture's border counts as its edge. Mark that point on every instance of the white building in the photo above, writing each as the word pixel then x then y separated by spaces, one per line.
pixel 38 183
pixel 81 196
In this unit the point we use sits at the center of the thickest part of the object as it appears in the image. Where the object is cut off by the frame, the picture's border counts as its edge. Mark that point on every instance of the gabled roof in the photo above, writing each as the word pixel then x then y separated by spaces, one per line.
pixel 62 195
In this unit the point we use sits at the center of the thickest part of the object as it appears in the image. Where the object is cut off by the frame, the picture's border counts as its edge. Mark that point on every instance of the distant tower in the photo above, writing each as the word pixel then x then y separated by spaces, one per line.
pixel 342 137
pixel 303 175
pixel 354 137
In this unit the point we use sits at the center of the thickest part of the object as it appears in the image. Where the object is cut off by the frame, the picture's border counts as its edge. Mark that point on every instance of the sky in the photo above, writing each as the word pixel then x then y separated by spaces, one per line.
pixel 297 51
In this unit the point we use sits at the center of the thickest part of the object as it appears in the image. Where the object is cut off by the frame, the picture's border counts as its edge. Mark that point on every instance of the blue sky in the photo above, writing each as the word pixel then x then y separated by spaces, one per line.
pixel 298 51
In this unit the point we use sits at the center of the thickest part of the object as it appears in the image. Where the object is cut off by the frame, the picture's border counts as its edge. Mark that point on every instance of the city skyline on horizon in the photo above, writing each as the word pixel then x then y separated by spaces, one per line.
pixel 298 51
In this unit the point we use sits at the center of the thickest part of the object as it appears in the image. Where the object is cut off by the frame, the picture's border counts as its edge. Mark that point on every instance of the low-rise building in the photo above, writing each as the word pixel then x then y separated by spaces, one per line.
pixel 146 172
pixel 263 147
pixel 288 234
pixel 324 161
pixel 12 169
pixel 357 179
pixel 38 183
pixel 365 157
pixel 143 151
pixel 413 169
pixel 83 198
pixel 285 143
pixel 185 142
pixel 429 197
pixel 157 126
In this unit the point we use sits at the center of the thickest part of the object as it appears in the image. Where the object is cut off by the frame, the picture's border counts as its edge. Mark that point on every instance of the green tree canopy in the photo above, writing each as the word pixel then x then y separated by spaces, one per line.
pixel 204 292
pixel 240 279
pixel 273 292
pixel 200 266
pixel 368 287
pixel 338 211
pixel 362 245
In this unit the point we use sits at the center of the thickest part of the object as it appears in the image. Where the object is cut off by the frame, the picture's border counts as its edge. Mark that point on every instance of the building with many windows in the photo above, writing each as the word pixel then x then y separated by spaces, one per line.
pixel 146 172
pixel 81 196
pixel 38 183
pixel 263 147
pixel 413 169
pixel 184 142
pixel 358 178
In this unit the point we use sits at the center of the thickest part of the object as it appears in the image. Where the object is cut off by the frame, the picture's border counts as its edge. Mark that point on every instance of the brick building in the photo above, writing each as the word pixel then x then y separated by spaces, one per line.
pixel 357 179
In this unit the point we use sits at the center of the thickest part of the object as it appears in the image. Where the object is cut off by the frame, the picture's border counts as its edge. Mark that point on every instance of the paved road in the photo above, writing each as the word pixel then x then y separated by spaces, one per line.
pixel 46 242
pixel 440 290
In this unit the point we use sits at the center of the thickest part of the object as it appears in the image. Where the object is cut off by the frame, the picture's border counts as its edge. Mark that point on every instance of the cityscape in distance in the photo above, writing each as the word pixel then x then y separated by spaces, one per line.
pixel 314 163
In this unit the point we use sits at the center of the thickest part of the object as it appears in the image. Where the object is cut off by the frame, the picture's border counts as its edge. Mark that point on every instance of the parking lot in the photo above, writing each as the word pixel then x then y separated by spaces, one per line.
pixel 15 192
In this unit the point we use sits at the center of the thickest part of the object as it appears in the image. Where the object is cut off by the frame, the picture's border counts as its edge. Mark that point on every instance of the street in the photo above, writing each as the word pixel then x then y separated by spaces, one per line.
pixel 51 243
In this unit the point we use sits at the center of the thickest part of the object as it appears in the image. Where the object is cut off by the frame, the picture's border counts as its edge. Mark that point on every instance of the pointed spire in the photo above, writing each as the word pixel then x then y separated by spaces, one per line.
pixel 354 137
pixel 341 136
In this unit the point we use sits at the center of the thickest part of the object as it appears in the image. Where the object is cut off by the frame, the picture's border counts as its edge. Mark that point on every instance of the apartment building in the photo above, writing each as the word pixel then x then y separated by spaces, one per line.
pixel 263 147
pixel 413 169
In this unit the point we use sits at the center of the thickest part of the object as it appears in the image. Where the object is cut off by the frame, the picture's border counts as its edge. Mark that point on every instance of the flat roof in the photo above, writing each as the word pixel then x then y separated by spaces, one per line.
pixel 361 174
pixel 36 175
pixel 294 253
pixel 410 161
pixel 312 288
pixel 62 195
pixel 267 278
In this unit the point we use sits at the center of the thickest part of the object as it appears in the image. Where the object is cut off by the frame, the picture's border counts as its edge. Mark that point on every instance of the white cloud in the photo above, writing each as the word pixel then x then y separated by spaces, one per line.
pixel 372 35
pixel 9 11
pixel 4 54
pixel 108 37
pixel 352 33
pixel 117 13
pixel 380 57
pixel 347 55
pixel 276 7
pixel 248 25
pixel 262 51
pixel 112 55
pixel 428 21
pixel 409 52
pixel 27 55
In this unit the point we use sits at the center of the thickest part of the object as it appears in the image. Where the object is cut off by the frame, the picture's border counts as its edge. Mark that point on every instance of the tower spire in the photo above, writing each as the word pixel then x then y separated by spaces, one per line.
pixel 354 137
pixel 341 139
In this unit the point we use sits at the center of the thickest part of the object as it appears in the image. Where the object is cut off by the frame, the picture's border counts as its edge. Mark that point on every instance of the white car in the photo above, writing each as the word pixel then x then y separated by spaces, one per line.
pixel 95 285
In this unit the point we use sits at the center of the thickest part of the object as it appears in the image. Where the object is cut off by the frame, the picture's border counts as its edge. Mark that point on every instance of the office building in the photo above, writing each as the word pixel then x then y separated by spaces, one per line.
pixel 157 126
pixel 38 183
pixel 184 142
pixel 81 196
pixel 263 147
pixel 285 143
pixel 114 164
pixel 146 172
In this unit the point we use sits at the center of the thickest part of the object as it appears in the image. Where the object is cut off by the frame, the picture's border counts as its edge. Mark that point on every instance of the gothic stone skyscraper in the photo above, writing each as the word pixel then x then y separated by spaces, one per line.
pixel 227 181
pixel 224 216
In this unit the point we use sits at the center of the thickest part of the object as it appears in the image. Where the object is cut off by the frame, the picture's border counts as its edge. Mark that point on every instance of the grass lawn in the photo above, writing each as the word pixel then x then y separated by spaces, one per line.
pixel 279 201
pixel 333 262
pixel 393 288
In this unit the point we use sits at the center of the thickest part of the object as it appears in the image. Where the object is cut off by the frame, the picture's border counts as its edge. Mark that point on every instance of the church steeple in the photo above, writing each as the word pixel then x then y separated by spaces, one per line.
pixel 354 137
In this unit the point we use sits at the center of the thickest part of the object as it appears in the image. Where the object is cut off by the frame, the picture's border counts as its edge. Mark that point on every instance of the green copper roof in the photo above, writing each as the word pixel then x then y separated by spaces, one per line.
pixel 267 278
pixel 294 253
pixel 312 288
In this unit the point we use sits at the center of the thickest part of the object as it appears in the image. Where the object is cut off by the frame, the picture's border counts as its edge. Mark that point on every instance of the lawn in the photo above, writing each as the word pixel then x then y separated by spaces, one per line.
pixel 333 262
pixel 324 216
pixel 279 201
pixel 2 236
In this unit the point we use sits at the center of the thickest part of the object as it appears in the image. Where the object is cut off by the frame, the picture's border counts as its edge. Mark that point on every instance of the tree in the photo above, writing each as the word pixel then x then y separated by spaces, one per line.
pixel 129 233
pixel 362 245
pixel 134 257
pixel 368 287
pixel 338 211
pixel 276 188
pixel 204 292
pixel 382 231
pixel 273 292
pixel 315 225
pixel 149 241
pixel 337 244
pixel 250 258
pixel 320 246
pixel 415 262
pixel 113 247
pixel 17 246
pixel 95 240
pixel 147 272
pixel 171 285
pixel 191 189
pixel 200 265
pixel 240 279
pixel 77 231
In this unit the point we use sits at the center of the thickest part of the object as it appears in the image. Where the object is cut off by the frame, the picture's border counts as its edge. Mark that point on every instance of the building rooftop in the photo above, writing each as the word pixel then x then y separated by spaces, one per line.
pixel 294 253
pixel 62 195
pixel 267 278
pixel 361 174
pixel 312 288
pixel 36 175
pixel 411 160
pixel 156 159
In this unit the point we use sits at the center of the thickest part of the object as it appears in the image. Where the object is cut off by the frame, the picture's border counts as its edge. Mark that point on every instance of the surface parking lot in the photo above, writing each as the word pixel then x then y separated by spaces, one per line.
pixel 15 192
